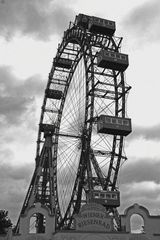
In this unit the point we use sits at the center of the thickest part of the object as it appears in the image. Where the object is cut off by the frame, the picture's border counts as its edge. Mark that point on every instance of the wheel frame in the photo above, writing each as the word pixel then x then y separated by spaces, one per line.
pixel 86 41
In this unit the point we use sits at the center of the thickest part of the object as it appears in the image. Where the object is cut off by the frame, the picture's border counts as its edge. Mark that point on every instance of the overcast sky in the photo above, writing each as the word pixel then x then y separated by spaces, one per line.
pixel 30 31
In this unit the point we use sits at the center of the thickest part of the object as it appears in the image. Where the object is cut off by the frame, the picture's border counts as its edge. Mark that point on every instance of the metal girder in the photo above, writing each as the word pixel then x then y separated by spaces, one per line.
pixel 41 186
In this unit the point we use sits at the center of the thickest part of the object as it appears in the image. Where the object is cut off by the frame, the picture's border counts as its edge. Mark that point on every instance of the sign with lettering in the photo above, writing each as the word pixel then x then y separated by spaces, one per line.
pixel 93 217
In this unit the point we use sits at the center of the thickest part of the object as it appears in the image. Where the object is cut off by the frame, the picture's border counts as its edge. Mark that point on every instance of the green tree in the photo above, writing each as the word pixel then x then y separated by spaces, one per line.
pixel 5 222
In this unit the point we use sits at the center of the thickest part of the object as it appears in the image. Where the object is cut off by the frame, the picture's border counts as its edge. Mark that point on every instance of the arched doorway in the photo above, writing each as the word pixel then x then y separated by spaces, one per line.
pixel 37 223
pixel 137 223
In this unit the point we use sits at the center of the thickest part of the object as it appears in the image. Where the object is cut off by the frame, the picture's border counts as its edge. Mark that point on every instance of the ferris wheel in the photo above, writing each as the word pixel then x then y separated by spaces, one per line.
pixel 83 122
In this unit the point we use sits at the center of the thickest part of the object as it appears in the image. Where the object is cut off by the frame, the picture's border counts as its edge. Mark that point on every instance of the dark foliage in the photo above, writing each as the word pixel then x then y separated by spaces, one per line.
pixel 5 222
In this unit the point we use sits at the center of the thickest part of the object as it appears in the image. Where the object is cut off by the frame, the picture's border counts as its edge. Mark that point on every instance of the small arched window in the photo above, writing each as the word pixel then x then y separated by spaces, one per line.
pixel 37 223
pixel 137 224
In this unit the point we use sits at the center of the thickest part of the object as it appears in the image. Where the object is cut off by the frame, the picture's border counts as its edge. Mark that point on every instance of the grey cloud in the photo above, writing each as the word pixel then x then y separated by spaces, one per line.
pixel 143 21
pixel 12 197
pixel 14 184
pixel 136 191
pixel 40 19
pixel 33 86
pixel 6 154
pixel 22 172
pixel 10 85
pixel 17 96
pixel 140 170
pixel 13 108
pixel 148 133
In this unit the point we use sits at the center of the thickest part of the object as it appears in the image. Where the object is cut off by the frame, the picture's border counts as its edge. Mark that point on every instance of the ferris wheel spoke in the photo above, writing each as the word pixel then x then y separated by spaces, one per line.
pixel 73 118
pixel 72 122
pixel 67 176
pixel 63 160
pixel 63 156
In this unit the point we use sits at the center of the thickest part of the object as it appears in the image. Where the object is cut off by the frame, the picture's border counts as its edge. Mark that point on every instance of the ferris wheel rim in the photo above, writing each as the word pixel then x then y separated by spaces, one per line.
pixel 81 44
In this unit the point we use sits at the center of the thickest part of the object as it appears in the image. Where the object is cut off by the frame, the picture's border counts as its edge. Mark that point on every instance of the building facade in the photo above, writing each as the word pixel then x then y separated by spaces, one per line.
pixel 92 223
